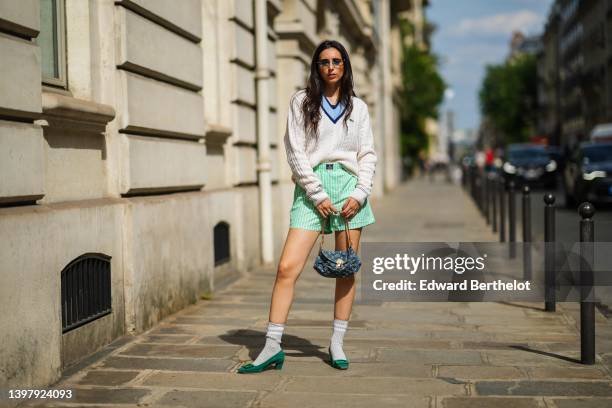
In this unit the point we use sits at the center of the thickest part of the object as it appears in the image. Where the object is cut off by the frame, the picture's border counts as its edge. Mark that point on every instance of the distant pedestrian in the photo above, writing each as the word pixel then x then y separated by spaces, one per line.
pixel 330 150
pixel 489 159
pixel 422 157
pixel 480 158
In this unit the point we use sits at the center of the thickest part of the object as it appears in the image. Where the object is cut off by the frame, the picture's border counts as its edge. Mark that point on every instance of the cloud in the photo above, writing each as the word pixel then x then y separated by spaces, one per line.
pixel 499 24
pixel 475 55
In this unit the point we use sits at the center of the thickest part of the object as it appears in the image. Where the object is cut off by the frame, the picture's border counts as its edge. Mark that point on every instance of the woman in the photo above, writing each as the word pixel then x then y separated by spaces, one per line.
pixel 330 150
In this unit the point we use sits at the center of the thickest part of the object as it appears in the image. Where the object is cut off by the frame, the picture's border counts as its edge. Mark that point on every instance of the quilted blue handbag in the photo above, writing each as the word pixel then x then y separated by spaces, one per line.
pixel 337 264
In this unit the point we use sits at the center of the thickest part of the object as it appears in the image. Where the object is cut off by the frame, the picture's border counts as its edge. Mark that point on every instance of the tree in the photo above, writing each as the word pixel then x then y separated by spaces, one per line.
pixel 421 94
pixel 508 97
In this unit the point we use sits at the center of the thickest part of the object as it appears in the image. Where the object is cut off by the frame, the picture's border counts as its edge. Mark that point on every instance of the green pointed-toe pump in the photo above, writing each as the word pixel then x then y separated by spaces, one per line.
pixel 339 364
pixel 277 360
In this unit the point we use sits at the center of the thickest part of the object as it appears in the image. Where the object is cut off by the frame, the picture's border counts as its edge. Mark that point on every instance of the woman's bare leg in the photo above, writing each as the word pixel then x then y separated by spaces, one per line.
pixel 295 252
pixel 345 287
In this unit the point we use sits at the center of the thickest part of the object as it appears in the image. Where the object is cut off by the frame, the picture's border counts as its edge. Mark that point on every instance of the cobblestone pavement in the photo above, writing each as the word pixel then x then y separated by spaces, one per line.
pixel 402 354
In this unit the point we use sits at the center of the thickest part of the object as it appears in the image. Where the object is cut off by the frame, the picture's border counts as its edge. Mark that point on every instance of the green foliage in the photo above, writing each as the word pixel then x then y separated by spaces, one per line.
pixel 421 94
pixel 508 96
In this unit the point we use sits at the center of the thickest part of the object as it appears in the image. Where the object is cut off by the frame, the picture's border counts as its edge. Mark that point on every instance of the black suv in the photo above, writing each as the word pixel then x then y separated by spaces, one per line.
pixel 530 164
pixel 588 174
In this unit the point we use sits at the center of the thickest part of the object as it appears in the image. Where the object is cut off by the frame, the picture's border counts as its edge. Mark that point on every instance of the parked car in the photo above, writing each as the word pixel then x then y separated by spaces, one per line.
pixel 530 164
pixel 602 133
pixel 588 174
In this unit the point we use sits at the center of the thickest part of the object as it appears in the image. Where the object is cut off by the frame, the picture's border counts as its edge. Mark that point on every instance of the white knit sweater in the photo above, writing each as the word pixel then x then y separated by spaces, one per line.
pixel 354 148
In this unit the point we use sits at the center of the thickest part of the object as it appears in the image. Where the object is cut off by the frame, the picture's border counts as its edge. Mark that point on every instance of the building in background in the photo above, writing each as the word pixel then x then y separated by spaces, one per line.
pixel 522 45
pixel 575 70
pixel 549 102
pixel 141 155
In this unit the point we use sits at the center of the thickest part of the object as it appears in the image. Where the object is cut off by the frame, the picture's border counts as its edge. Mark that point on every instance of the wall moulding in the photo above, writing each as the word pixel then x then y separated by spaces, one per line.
pixel 217 135
pixel 65 111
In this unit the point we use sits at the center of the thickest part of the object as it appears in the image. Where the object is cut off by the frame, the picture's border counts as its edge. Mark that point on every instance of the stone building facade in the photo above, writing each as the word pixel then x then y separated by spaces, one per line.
pixel 141 155
pixel 575 70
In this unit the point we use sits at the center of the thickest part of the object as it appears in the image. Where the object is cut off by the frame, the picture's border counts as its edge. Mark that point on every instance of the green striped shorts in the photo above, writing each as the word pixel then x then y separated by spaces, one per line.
pixel 338 183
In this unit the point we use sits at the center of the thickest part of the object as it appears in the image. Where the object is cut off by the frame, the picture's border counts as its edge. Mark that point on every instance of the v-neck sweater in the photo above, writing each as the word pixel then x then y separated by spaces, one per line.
pixel 352 146
pixel 333 112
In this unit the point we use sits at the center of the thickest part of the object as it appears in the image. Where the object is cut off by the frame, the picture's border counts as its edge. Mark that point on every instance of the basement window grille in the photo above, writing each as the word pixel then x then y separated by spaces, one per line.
pixel 221 243
pixel 86 290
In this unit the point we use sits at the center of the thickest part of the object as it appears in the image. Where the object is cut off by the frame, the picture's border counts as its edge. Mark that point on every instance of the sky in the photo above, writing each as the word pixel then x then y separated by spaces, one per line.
pixel 472 33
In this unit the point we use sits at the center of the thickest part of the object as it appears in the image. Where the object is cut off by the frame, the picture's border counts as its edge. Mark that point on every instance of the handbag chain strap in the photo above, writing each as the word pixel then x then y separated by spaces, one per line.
pixel 346 230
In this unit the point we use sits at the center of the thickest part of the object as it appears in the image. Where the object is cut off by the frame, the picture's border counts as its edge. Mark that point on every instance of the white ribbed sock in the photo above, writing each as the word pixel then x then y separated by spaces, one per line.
pixel 273 341
pixel 337 339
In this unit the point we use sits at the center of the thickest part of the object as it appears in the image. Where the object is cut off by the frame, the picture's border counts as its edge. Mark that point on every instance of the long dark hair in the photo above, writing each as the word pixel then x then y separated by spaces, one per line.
pixel 311 103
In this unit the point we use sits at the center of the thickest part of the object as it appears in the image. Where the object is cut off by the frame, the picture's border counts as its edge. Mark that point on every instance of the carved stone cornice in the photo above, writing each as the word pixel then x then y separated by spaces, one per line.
pixel 65 111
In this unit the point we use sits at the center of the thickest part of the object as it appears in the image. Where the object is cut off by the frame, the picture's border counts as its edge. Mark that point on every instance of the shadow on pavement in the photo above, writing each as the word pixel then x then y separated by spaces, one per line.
pixel 546 353
pixel 294 346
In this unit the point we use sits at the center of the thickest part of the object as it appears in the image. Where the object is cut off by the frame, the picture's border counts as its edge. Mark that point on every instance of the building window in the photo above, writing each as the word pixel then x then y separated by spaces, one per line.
pixel 52 42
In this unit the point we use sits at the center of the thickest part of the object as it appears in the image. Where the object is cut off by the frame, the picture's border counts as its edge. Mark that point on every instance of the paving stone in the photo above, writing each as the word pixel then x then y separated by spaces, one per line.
pixel 483 345
pixel 357 369
pixel 534 330
pixel 536 358
pixel 251 341
pixel 521 337
pixel 566 372
pixel 559 388
pixel 108 377
pixel 481 372
pixel 188 350
pixel 353 324
pixel 428 356
pixel 172 364
pixel 397 333
pixel 203 320
pixel 423 344
pixel 385 386
pixel 315 353
pixel 515 321
pixel 488 402
pixel 583 402
pixel 208 399
pixel 319 400
pixel 465 336
pixel 175 339
pixel 403 317
pixel 423 327
pixel 80 405
pixel 105 396
pixel 215 381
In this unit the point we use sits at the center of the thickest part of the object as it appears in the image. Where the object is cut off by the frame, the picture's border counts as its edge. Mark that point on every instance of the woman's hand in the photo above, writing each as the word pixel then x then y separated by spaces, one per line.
pixel 350 208
pixel 326 208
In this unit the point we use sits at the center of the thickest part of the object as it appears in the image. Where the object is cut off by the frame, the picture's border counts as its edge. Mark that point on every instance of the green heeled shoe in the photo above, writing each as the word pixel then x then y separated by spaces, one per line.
pixel 278 359
pixel 339 364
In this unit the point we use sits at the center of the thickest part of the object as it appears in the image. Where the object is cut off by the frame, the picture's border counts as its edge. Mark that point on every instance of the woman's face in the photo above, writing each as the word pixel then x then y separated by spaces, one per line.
pixel 331 66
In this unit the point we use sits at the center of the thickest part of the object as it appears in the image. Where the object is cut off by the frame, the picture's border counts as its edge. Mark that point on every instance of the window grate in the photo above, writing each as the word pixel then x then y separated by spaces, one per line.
pixel 221 243
pixel 86 290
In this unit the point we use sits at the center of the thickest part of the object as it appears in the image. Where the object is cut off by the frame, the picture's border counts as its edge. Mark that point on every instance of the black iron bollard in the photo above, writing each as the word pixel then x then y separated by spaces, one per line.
pixel 473 183
pixel 487 198
pixel 587 303
pixel 512 219
pixel 502 210
pixel 526 234
pixel 494 201
pixel 549 253
pixel 480 191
